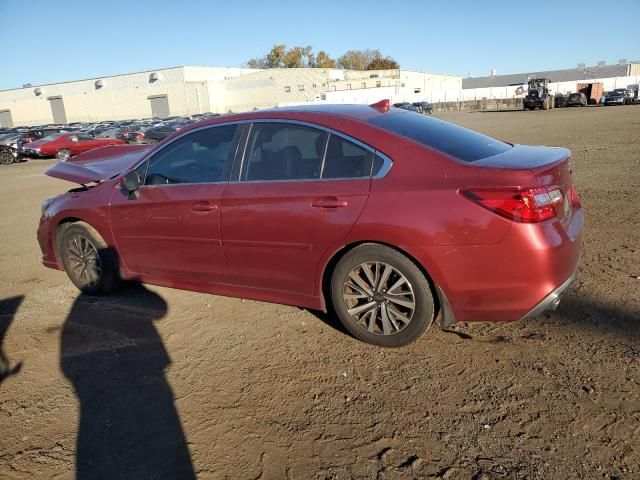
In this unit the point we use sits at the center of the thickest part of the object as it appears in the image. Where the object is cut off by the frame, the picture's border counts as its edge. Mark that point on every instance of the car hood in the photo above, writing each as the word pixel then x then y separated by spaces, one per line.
pixel 99 164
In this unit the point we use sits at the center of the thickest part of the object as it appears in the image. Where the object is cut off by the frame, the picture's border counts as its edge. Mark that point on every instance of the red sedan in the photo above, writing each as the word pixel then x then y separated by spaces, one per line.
pixel 385 216
pixel 64 145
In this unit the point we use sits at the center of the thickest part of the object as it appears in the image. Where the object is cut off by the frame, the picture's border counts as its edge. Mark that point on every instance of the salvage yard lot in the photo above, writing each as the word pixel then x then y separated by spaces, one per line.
pixel 186 382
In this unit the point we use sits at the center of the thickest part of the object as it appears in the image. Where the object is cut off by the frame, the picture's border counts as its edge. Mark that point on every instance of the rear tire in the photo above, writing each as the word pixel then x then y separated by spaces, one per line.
pixel 381 297
pixel 91 265
pixel 63 154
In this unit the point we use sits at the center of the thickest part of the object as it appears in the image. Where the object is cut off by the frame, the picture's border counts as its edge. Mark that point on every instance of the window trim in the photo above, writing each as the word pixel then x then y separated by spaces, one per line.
pixel 227 169
pixel 244 129
pixel 241 156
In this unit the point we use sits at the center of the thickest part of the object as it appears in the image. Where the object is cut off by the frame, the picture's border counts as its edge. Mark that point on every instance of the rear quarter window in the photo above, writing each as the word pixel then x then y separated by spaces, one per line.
pixel 459 142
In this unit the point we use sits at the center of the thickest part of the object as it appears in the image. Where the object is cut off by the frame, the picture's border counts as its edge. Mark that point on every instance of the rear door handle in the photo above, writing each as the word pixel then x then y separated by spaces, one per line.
pixel 204 207
pixel 329 202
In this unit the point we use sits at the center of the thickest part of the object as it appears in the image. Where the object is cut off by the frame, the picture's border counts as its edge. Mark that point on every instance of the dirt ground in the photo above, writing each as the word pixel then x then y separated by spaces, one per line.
pixel 161 383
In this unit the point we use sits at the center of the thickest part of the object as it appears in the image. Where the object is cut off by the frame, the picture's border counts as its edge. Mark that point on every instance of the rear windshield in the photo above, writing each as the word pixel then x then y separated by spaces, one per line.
pixel 459 142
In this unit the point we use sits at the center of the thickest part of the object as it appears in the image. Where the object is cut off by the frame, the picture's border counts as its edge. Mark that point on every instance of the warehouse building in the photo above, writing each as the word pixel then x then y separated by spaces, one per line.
pixel 621 75
pixel 190 90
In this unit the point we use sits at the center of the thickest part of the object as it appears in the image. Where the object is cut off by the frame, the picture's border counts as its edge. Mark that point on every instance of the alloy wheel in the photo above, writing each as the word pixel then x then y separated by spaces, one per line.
pixel 6 157
pixel 84 260
pixel 379 298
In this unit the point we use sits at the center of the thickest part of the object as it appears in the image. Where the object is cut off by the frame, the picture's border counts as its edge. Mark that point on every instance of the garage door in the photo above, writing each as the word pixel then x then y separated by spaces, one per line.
pixel 5 118
pixel 57 110
pixel 159 106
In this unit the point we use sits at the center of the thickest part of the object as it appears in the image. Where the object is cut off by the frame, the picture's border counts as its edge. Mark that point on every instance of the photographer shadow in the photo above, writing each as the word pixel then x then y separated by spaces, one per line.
pixel 113 355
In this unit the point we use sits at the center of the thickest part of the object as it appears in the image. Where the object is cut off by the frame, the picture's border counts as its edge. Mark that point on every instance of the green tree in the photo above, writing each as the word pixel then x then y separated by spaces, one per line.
pixel 382 63
pixel 357 59
pixel 323 60
pixel 257 63
pixel 275 58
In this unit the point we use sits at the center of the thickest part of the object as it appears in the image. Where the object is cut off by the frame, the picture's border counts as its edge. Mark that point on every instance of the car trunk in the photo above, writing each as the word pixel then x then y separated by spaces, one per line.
pixel 542 167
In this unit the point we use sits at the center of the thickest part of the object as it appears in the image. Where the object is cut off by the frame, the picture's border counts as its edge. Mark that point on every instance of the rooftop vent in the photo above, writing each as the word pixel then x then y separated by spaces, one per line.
pixel 38 91
pixel 99 84
pixel 602 63
pixel 493 72
pixel 582 65
pixel 154 77
pixel 622 61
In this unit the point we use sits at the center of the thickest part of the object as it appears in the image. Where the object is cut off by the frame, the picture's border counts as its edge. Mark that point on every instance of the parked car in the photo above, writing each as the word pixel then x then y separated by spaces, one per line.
pixel 628 94
pixel 560 100
pixel 9 147
pixel 615 98
pixel 114 132
pixel 11 143
pixel 155 134
pixel 405 106
pixel 387 216
pixel 423 107
pixel 65 145
pixel 578 99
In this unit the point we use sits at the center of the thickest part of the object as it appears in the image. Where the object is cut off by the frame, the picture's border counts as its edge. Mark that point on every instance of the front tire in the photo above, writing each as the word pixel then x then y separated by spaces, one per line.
pixel 90 264
pixel 63 154
pixel 6 157
pixel 381 297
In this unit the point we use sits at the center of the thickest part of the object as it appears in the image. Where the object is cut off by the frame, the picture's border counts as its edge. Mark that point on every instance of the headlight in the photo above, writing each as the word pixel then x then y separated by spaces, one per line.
pixel 37 149
pixel 46 203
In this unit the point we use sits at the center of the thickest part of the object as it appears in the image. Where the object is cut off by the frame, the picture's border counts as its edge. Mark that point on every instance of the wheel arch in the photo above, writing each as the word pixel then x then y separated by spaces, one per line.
pixel 442 307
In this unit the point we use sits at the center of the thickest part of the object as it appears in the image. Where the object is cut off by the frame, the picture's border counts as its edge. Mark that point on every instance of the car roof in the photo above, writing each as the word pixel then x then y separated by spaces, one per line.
pixel 310 113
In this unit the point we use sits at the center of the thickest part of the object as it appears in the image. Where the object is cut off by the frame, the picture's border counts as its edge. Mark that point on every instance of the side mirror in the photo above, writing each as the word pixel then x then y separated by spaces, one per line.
pixel 131 183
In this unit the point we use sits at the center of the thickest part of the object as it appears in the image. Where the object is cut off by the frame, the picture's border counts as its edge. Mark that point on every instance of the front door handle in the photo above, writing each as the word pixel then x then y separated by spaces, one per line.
pixel 329 202
pixel 204 207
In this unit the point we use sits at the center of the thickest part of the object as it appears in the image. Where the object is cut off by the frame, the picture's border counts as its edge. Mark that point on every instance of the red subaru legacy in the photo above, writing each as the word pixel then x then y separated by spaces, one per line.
pixel 64 145
pixel 386 217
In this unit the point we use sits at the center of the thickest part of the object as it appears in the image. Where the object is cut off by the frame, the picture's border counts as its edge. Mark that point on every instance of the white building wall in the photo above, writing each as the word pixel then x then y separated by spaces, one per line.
pixel 268 88
pixel 120 97
pixel 192 89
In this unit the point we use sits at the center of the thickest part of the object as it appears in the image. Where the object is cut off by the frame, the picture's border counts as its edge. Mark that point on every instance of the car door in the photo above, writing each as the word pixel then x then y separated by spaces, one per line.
pixel 172 229
pixel 84 143
pixel 290 204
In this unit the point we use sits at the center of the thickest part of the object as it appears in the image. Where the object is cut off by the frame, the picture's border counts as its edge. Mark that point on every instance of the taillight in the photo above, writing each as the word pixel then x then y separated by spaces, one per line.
pixel 528 205
pixel 573 197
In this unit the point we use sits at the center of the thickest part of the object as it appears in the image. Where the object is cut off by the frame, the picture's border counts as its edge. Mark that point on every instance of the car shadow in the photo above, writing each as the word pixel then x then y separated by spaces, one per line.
pixel 584 313
pixel 575 313
pixel 115 359
pixel 8 309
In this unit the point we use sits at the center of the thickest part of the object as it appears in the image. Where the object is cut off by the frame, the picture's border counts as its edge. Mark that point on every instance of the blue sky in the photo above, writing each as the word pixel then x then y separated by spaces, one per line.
pixel 48 41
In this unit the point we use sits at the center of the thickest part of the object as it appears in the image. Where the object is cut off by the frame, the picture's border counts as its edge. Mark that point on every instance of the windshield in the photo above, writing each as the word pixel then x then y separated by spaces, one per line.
pixel 459 142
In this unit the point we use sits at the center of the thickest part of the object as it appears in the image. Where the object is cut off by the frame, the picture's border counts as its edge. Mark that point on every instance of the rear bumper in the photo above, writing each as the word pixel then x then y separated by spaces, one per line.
pixel 551 301
pixel 520 276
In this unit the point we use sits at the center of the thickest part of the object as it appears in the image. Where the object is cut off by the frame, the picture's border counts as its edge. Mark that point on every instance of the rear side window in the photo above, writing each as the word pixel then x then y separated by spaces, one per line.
pixel 345 159
pixel 459 142
pixel 199 157
pixel 283 151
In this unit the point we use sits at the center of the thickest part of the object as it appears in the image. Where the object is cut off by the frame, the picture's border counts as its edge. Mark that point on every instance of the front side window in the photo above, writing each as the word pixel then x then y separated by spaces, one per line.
pixel 283 151
pixel 345 159
pixel 199 157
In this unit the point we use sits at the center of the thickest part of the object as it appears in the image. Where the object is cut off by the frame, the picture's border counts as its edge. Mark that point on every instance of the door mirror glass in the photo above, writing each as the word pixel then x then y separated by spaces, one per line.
pixel 131 182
